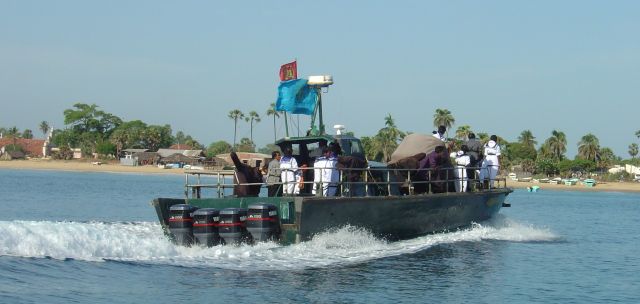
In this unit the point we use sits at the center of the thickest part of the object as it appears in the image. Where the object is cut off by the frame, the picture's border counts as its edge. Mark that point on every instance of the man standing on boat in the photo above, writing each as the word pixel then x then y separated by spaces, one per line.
pixel 290 173
pixel 475 155
pixel 325 175
pixel 491 162
pixel 440 133
pixel 274 175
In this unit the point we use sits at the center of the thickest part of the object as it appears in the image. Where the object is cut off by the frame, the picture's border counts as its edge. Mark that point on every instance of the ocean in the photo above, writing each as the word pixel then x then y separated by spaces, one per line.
pixel 70 237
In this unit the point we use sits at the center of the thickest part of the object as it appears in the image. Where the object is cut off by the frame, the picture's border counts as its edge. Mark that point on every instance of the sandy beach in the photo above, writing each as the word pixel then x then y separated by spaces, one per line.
pixel 85 166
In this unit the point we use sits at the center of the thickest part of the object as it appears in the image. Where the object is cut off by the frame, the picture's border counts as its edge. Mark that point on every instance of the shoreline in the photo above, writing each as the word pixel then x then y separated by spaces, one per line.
pixel 85 166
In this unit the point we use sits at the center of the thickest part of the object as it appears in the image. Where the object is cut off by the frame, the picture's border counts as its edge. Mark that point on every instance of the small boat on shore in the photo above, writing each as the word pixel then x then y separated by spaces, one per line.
pixel 380 198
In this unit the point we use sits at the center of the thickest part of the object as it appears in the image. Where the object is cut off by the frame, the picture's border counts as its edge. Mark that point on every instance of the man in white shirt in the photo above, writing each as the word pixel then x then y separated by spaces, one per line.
pixel 440 133
pixel 325 174
pixel 491 162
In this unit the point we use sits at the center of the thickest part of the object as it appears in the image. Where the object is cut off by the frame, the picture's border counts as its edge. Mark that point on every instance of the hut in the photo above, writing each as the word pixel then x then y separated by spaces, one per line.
pixel 11 155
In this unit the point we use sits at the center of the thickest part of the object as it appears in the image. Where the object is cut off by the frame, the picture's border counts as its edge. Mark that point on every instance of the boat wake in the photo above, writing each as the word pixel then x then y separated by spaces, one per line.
pixel 145 243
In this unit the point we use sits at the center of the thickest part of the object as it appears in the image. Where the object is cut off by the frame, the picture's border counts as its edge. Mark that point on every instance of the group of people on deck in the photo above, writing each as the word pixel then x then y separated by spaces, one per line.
pixel 286 177
pixel 471 156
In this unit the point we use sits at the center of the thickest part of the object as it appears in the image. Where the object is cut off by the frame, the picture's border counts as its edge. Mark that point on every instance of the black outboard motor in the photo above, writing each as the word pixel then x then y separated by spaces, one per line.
pixel 263 222
pixel 232 227
pixel 205 226
pixel 181 223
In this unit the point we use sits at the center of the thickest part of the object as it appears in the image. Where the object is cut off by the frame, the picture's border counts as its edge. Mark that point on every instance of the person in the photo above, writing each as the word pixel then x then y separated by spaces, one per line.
pixel 326 176
pixel 290 173
pixel 430 169
pixel 440 133
pixel 462 161
pixel 317 152
pixel 491 161
pixel 475 155
pixel 274 175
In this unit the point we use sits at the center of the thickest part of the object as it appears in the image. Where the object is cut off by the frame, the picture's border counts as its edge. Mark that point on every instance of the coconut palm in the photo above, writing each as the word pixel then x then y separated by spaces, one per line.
pixel 527 139
pixel 235 115
pixel 463 132
pixel 443 117
pixel 27 133
pixel 556 144
pixel 638 134
pixel 272 112
pixel 633 150
pixel 588 147
pixel 386 141
pixel 44 127
pixel 253 116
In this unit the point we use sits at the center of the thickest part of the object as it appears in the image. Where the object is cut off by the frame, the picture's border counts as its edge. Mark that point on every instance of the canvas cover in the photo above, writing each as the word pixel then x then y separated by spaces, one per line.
pixel 297 97
pixel 413 144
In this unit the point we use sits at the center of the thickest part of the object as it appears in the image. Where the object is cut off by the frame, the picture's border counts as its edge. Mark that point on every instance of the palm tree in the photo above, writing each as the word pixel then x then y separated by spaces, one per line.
pixel 386 141
pixel 253 116
pixel 443 117
pixel 633 150
pixel 272 112
pixel 27 133
pixel 235 115
pixel 527 139
pixel 588 147
pixel 557 144
pixel 463 132
pixel 44 127
pixel 638 134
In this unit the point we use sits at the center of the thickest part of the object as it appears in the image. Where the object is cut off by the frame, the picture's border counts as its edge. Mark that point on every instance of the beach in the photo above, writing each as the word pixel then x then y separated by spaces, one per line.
pixel 86 166
pixel 83 166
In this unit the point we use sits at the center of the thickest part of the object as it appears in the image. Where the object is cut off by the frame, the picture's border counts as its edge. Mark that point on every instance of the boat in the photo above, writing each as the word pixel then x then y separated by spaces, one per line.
pixel 381 198
pixel 589 182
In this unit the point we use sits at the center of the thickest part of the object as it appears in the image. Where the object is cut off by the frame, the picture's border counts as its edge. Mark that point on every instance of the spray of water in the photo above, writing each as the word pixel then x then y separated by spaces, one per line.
pixel 144 242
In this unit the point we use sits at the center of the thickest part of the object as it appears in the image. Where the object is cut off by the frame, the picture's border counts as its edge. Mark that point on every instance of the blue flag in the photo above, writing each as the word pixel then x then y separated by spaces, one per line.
pixel 296 97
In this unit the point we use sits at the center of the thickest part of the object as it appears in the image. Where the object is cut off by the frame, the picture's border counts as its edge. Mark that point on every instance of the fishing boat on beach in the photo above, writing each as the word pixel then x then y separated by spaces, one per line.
pixel 383 199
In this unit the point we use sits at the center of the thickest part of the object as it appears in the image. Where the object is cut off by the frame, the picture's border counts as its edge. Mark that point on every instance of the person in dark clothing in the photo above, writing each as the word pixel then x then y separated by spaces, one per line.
pixel 431 169
pixel 475 154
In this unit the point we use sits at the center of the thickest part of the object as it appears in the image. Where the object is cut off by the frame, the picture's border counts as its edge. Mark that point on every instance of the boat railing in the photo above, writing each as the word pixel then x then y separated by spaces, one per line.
pixel 360 181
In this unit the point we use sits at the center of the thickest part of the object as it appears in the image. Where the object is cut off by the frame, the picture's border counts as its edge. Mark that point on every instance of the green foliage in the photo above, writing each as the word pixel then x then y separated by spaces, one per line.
pixel 566 166
pixel 246 145
pixel 443 117
pixel 545 166
pixel 105 148
pixel 268 149
pixel 64 153
pixel 519 151
pixel 12 147
pixel 44 127
pixel 28 134
pixel 218 147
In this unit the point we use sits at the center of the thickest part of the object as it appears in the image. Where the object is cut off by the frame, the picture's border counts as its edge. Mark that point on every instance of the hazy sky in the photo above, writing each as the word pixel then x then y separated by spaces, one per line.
pixel 499 66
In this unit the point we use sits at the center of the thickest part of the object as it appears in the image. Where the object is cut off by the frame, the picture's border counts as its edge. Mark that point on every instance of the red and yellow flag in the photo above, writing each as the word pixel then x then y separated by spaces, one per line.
pixel 289 71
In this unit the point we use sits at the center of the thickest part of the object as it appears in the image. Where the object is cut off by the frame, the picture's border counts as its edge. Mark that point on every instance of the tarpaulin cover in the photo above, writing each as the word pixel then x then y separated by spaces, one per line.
pixel 413 144
pixel 295 96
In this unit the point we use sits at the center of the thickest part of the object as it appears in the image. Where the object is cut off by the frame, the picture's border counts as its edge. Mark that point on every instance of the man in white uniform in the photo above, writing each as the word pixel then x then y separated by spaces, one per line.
pixel 290 173
pixel 325 174
pixel 491 162
pixel 462 161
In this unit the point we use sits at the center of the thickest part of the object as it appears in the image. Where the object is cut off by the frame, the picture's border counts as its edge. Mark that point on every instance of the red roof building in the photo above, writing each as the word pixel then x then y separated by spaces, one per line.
pixel 31 147
pixel 181 147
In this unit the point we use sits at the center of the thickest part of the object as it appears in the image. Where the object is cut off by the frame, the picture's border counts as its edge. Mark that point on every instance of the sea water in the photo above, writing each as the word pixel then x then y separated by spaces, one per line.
pixel 94 238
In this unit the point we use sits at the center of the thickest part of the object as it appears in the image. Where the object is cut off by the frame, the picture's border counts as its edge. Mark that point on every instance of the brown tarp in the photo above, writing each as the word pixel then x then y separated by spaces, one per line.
pixel 413 144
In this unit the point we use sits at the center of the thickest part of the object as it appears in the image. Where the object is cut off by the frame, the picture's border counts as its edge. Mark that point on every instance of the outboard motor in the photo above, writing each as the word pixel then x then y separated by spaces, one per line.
pixel 263 222
pixel 205 226
pixel 181 223
pixel 232 227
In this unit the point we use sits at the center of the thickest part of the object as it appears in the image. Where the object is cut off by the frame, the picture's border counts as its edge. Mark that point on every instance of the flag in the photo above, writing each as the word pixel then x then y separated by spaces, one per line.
pixel 297 97
pixel 289 71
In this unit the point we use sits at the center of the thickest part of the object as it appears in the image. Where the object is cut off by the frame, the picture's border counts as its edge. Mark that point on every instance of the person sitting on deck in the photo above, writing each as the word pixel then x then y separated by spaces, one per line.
pixel 326 176
pixel 290 173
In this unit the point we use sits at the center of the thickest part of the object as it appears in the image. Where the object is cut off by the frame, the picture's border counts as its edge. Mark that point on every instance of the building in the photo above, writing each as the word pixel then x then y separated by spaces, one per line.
pixel 30 147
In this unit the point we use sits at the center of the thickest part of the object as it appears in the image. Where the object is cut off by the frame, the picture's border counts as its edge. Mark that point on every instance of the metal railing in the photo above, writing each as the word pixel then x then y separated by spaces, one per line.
pixel 359 181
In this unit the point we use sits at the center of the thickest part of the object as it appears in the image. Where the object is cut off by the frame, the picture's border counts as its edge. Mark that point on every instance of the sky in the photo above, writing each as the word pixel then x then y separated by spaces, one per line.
pixel 500 67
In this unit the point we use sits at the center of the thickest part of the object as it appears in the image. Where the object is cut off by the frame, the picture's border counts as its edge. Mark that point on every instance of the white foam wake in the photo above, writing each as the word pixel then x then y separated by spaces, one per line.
pixel 144 242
